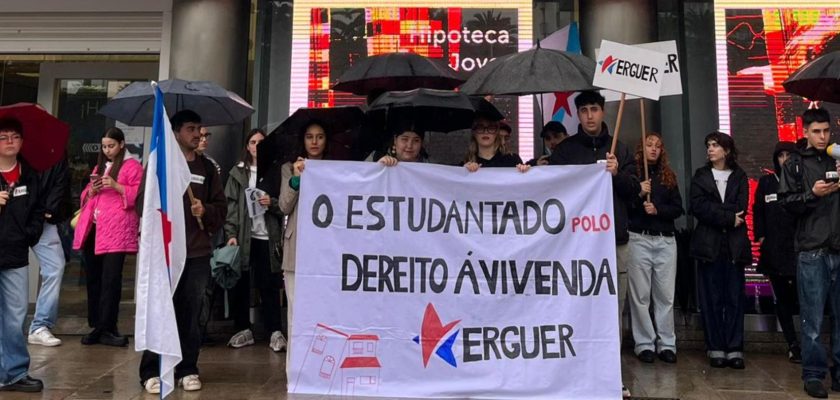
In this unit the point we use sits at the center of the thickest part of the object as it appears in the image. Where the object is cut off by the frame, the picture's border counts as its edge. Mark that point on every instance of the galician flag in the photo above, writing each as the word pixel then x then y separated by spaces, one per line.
pixel 163 247
pixel 560 106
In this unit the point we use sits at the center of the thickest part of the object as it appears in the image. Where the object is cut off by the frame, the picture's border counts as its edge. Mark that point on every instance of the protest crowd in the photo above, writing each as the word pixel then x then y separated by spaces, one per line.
pixel 796 213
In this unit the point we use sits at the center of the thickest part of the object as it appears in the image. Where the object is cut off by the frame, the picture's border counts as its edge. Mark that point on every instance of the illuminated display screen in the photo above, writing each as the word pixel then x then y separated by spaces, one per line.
pixel 758 45
pixel 330 36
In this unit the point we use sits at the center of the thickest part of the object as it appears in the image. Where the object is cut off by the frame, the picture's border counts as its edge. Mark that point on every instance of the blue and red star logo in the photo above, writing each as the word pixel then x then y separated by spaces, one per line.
pixel 608 64
pixel 432 333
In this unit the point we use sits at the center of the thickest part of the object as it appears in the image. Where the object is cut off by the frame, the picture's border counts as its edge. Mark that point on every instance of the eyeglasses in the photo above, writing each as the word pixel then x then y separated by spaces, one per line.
pixel 486 129
pixel 204 138
pixel 10 138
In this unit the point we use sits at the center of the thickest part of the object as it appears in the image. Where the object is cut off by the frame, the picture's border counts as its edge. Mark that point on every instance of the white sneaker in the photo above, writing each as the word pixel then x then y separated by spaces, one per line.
pixel 44 337
pixel 190 383
pixel 152 385
pixel 625 393
pixel 278 342
pixel 241 339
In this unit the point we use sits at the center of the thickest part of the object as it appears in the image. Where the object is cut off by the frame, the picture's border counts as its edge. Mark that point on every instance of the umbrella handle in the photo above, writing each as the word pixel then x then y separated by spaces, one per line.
pixel 192 199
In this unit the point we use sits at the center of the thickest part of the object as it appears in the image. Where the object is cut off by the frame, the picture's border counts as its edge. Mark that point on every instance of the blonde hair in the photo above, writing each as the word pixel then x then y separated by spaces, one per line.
pixel 472 149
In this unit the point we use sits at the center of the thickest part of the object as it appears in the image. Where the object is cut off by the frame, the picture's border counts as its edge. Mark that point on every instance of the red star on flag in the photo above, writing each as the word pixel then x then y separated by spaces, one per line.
pixel 562 101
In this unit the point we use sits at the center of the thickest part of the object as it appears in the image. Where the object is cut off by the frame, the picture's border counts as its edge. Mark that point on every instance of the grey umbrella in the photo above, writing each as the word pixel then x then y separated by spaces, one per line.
pixel 532 71
pixel 134 105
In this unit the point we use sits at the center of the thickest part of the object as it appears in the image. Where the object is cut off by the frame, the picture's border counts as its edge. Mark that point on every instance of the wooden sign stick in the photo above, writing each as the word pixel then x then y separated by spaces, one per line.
pixel 644 133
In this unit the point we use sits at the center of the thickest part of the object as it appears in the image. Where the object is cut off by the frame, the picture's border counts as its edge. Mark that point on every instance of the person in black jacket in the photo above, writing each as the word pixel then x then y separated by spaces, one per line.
pixel 55 186
pixel 808 192
pixel 591 145
pixel 21 222
pixel 652 269
pixel 486 147
pixel 719 196
pixel 772 229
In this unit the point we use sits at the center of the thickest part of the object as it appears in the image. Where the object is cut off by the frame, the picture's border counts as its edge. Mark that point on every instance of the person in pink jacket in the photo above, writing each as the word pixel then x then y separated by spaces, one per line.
pixel 107 230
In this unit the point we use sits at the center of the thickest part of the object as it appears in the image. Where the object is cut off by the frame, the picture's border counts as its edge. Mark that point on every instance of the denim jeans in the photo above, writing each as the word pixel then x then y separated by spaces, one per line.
pixel 14 356
pixel 652 273
pixel 818 281
pixel 51 259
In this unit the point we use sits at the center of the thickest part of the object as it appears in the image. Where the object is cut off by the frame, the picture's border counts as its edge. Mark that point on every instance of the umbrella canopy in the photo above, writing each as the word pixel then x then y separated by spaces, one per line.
pixel 486 109
pixel 818 79
pixel 134 105
pixel 533 71
pixel 424 109
pixel 340 124
pixel 397 71
pixel 44 136
pixel 224 266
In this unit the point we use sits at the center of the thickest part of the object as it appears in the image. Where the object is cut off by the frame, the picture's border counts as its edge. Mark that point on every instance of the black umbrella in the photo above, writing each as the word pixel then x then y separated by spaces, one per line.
pixel 533 71
pixel 134 105
pixel 486 109
pixel 818 79
pixel 340 124
pixel 424 109
pixel 397 71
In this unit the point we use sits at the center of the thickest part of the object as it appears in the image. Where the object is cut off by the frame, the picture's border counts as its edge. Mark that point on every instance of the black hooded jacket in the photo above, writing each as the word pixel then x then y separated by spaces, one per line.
pixel 582 149
pixel 773 223
pixel 818 218
pixel 55 187
pixel 667 201
pixel 21 219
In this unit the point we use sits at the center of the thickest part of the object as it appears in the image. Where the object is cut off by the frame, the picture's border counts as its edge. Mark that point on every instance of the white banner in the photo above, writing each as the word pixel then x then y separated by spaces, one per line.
pixel 630 69
pixel 429 281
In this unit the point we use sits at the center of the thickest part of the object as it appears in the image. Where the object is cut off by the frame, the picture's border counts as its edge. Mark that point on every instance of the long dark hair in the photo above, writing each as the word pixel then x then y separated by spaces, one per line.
pixel 118 135
pixel 666 175
pixel 728 144
pixel 301 146
pixel 246 157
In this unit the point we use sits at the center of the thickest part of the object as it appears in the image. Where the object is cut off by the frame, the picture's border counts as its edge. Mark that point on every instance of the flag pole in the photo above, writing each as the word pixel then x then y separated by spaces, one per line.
pixel 644 132
pixel 617 125
pixel 192 201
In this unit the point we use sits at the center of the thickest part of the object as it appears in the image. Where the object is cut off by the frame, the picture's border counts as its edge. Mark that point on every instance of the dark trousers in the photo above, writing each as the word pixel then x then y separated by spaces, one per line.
pixel 721 292
pixel 188 301
pixel 267 284
pixel 104 285
pixel 787 304
pixel 818 278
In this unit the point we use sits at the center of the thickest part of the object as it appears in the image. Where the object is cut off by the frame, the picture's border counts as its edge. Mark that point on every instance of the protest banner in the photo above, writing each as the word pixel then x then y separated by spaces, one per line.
pixel 671 79
pixel 429 281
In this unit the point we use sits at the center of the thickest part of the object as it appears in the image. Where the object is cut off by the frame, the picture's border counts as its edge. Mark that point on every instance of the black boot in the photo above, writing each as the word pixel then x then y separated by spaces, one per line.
pixel 28 385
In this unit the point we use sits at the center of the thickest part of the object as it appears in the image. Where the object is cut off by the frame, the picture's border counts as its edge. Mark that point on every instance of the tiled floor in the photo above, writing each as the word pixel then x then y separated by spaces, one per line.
pixel 73 371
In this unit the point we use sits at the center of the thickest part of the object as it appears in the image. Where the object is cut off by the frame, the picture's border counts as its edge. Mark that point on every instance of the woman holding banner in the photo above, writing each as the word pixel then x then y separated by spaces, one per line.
pixel 652 268
pixel 256 237
pixel 486 147
pixel 719 199
pixel 106 232
pixel 312 143
pixel 406 147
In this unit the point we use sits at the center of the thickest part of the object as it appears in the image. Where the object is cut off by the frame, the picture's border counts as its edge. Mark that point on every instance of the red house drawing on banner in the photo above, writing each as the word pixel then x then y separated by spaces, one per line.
pixel 360 369
pixel 347 364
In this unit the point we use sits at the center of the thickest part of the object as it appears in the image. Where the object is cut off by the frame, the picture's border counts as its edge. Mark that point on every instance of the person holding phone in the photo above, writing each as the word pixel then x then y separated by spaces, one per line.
pixel 808 189
pixel 719 197
pixel 106 233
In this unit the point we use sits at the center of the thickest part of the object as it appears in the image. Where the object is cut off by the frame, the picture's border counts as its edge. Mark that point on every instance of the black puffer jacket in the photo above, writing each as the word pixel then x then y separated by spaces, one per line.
pixel 715 230
pixel 773 223
pixel 582 149
pixel 21 220
pixel 818 218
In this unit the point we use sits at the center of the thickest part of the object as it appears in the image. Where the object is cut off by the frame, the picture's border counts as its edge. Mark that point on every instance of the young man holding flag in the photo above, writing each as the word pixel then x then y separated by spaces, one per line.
pixel 183 205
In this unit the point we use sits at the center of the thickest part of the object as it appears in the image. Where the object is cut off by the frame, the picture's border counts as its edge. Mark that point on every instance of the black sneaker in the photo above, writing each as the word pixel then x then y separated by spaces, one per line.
pixel 815 388
pixel 668 356
pixel 27 385
pixel 646 356
pixel 736 363
pixel 795 354
pixel 113 339
pixel 835 385
pixel 92 337
pixel 717 362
